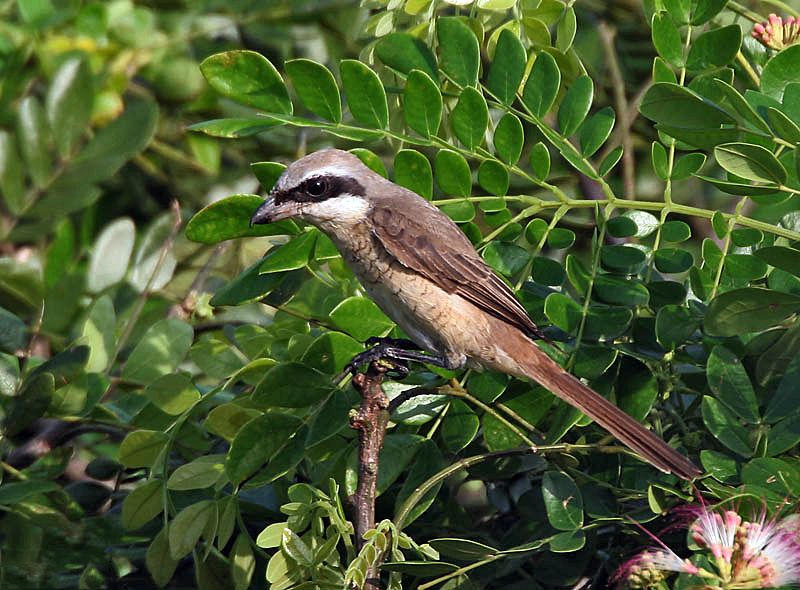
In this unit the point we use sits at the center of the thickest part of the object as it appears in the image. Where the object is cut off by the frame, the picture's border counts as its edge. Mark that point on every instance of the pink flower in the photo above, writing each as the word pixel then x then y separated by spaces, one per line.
pixel 770 552
pixel 646 569
pixel 754 553
pixel 777 33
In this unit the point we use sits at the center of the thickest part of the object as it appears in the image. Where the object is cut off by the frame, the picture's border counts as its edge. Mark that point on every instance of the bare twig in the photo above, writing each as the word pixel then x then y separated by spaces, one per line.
pixel 371 422
pixel 607 35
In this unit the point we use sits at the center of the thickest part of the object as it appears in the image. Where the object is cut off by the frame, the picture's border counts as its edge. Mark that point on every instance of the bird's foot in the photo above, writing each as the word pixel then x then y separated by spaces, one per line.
pixel 396 352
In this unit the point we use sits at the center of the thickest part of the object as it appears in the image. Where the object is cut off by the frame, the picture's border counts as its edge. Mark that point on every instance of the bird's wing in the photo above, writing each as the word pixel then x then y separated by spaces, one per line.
pixel 442 253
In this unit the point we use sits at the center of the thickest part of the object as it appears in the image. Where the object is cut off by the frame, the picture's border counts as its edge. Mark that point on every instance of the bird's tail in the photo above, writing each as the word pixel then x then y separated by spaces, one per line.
pixel 534 363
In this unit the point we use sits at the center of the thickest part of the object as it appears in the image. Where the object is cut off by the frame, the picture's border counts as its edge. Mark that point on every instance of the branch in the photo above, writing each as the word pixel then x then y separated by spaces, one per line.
pixel 371 422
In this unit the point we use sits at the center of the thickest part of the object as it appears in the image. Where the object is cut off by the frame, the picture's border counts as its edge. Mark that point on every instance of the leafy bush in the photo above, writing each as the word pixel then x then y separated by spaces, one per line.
pixel 169 416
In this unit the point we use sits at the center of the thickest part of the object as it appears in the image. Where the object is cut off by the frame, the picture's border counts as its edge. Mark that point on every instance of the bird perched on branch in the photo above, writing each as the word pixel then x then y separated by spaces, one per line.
pixel 424 273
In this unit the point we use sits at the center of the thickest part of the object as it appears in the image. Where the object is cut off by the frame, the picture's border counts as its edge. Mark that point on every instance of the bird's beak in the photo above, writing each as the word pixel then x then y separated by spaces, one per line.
pixel 269 212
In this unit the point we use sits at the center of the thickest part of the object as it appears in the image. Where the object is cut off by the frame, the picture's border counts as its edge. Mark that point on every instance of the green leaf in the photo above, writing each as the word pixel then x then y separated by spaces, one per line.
pixel 459 427
pixel 33 134
pixel 226 420
pixel 734 102
pixel 565 30
pixel 611 160
pixel 784 127
pixel 751 162
pixel 13 333
pixel 622 258
pixel 688 165
pixel 750 309
pixel 506 258
pixel 260 441
pixel 316 87
pixel 413 171
pixel 621 290
pixel 160 351
pixel 508 67
pixel 271 536
pixel 667 39
pixel 542 86
pixel 470 118
pixel 714 48
pixel 69 103
pixel 30 403
pixel 404 52
pixel 676 231
pixel 721 422
pixel 230 218
pixel 745 267
pixel 243 562
pixel 744 237
pixel 576 104
pixel 493 176
pixel 154 262
pixel 731 384
pixel 173 393
pixel 142 505
pixel 422 103
pixel 722 467
pixel 201 473
pixel 459 52
pixel 659 157
pixel 11 173
pixel 110 255
pixel 787 259
pixel 233 127
pixel 248 286
pixel 292 385
pixel 422 569
pixel 540 161
pixel 780 71
pixel 267 173
pixel 738 188
pixel 621 226
pixel 662 72
pixel 141 448
pixel 361 318
pixel 784 435
pixel 563 312
pixel 188 526
pixel 509 138
pixel 248 78
pixel 462 549
pixel 292 255
pixel 427 463
pixel 672 260
pixel 670 104
pixel 705 10
pixel 452 173
pixel 595 131
pixel 365 94
pixel 562 500
pixel 158 560
pixel 784 402
pixel 330 352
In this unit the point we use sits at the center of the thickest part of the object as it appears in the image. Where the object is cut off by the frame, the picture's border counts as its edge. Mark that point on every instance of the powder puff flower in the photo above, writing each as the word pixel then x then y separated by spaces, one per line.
pixel 777 33
pixel 754 553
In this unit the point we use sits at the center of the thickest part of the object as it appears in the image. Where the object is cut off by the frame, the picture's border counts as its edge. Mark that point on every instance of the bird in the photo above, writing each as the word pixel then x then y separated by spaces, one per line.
pixel 427 277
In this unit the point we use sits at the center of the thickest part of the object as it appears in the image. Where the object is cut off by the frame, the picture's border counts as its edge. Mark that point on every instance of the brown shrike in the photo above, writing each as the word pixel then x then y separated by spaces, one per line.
pixel 425 275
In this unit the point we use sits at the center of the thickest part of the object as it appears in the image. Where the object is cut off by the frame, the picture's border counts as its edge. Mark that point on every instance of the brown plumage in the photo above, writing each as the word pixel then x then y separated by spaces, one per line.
pixel 424 273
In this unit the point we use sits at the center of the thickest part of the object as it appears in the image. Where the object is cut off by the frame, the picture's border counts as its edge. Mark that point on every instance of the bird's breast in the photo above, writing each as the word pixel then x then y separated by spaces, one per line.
pixel 434 318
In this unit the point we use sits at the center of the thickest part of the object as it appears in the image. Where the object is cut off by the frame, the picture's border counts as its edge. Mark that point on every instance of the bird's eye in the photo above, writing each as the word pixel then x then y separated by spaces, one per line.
pixel 316 187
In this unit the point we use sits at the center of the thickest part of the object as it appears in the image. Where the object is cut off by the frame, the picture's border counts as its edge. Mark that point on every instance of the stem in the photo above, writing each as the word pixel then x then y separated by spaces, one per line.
pixel 371 422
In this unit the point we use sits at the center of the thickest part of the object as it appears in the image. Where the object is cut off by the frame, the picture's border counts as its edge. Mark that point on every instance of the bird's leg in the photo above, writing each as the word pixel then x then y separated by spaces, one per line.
pixel 397 351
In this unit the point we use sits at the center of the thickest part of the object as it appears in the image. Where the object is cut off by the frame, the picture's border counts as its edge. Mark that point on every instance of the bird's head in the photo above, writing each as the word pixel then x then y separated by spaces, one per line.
pixel 328 186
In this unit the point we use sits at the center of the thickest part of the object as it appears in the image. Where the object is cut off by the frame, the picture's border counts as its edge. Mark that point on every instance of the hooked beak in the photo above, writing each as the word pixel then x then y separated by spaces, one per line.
pixel 269 212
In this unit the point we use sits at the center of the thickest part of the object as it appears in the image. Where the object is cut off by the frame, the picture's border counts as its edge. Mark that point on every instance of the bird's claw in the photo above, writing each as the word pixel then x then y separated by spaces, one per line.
pixel 384 350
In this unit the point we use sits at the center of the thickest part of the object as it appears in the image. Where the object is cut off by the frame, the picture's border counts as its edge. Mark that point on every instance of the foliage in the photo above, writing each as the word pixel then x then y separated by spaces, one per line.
pixel 188 414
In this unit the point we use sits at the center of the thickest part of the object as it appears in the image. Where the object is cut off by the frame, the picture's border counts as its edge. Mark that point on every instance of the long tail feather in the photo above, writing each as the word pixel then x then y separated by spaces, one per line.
pixel 535 364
